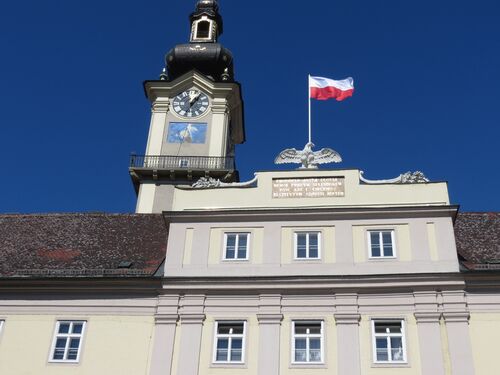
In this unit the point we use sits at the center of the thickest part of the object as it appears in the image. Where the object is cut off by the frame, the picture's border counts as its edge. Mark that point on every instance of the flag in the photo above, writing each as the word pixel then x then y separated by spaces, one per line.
pixel 325 88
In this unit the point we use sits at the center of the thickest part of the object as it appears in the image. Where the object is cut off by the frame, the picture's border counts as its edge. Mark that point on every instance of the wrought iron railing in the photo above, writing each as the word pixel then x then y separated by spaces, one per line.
pixel 182 162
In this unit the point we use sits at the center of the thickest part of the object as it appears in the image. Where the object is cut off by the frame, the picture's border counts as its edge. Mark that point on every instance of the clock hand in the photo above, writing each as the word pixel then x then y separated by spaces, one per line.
pixel 193 98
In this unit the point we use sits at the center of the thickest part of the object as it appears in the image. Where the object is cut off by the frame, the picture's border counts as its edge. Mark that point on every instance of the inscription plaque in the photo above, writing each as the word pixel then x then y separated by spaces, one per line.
pixel 309 187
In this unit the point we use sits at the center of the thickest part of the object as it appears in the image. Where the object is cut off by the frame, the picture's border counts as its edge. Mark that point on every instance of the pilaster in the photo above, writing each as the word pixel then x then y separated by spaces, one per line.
pixel 269 317
pixel 343 243
pixel 419 241
pixel 347 320
pixel 157 128
pixel 191 317
pixel 456 317
pixel 218 138
pixel 429 333
pixel 164 335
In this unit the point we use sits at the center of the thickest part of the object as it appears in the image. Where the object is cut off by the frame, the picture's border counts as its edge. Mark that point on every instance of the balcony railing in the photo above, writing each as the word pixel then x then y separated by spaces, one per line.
pixel 165 162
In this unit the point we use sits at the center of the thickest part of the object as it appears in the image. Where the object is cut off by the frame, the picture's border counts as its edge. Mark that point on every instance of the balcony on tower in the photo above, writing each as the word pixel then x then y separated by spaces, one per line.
pixel 180 169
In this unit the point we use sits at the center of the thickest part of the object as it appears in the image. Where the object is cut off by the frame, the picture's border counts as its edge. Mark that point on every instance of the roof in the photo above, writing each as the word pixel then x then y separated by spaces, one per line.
pixel 478 239
pixel 82 245
pixel 94 245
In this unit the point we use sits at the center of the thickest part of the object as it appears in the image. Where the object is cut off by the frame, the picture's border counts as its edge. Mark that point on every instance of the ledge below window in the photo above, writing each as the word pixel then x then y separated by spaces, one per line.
pixel 307 365
pixel 228 365
pixel 391 365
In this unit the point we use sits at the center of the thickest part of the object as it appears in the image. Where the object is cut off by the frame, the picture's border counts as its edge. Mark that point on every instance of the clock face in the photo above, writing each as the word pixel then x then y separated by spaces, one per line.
pixel 190 103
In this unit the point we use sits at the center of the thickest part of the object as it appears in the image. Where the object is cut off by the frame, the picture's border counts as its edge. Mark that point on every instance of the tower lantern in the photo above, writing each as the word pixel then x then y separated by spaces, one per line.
pixel 206 22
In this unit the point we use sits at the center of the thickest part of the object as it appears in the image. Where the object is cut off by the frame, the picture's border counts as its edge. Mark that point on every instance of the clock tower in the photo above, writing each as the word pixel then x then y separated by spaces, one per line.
pixel 197 116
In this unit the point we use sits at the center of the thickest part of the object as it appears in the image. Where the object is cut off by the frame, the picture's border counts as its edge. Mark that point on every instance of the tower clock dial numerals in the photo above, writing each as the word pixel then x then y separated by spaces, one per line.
pixel 190 103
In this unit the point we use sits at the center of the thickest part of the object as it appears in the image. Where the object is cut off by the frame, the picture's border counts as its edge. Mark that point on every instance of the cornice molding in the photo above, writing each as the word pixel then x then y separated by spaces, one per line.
pixel 307 213
pixel 456 317
pixel 162 106
pixel 427 317
pixel 192 318
pixel 119 285
pixel 166 319
pixel 157 89
pixel 347 318
pixel 269 318
pixel 405 283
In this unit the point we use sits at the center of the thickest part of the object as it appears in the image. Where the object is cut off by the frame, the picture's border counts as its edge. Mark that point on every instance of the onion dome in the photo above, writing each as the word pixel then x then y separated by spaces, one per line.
pixel 203 52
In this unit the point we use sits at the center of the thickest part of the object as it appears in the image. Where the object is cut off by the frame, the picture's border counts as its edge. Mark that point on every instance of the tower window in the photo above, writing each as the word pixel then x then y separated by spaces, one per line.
pixel 203 30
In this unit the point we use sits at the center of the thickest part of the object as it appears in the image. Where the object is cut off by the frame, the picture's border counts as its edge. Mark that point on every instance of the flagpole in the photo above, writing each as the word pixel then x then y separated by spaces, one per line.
pixel 309 99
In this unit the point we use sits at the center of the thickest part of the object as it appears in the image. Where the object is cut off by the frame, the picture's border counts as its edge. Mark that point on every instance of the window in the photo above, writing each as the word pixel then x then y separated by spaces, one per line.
pixel 307 342
pixel 184 163
pixel 229 342
pixel 388 341
pixel 307 245
pixel 381 243
pixel 203 30
pixel 67 341
pixel 236 246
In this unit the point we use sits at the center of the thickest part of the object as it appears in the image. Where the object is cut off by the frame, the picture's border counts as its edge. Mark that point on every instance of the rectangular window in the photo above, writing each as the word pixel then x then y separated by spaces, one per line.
pixel 307 342
pixel 236 246
pixel 389 341
pixel 381 243
pixel 229 342
pixel 307 245
pixel 67 341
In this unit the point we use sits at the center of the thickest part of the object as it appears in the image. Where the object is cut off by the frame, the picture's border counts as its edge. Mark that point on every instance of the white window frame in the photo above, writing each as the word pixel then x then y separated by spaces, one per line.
pixel 229 346
pixel 382 255
pixel 237 234
pixel 68 336
pixel 195 37
pixel 296 244
pixel 388 336
pixel 308 337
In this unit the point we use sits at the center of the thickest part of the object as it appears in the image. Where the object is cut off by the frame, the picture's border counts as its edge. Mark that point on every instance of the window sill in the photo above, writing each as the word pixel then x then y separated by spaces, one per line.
pixel 311 260
pixel 391 365
pixel 228 365
pixel 307 365
pixel 55 362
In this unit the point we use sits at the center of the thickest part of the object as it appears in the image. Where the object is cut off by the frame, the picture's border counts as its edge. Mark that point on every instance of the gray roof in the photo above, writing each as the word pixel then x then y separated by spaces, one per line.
pixel 478 239
pixel 90 245
pixel 134 245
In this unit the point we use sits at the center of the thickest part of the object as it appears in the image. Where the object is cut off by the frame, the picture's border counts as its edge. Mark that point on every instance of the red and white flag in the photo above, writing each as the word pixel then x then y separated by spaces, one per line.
pixel 325 88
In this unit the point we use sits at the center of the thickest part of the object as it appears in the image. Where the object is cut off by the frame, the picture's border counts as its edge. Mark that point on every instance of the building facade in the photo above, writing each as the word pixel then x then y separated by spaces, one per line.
pixel 295 272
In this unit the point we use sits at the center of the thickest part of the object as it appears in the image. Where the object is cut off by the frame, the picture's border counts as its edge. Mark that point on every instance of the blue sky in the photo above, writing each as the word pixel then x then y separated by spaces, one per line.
pixel 72 107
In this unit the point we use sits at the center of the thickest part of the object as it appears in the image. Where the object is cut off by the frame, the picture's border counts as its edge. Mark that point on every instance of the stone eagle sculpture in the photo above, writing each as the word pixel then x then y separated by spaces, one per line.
pixel 307 157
